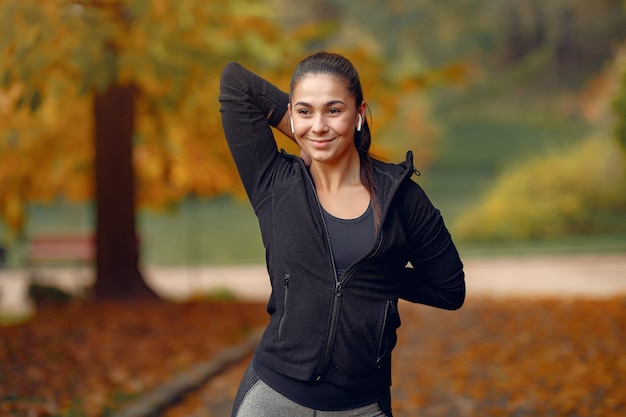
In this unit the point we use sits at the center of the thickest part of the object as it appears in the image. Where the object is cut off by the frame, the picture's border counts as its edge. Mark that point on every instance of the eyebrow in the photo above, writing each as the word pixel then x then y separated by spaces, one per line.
pixel 330 103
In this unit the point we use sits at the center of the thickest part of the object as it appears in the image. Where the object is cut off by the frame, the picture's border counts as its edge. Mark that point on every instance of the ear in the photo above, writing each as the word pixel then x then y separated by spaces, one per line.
pixel 362 108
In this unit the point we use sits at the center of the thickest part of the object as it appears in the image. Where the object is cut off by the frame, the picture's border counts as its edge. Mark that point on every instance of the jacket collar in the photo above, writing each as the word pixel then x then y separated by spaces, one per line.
pixel 389 178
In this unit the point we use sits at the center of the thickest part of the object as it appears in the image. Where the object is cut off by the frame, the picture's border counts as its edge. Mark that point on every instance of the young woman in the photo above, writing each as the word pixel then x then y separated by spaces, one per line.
pixel 345 235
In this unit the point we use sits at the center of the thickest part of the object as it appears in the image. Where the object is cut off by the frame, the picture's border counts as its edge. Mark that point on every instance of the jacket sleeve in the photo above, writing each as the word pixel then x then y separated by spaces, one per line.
pixel 249 105
pixel 435 275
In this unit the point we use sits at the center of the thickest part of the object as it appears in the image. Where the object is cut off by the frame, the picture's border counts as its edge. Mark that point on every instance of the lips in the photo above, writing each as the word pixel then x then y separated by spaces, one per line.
pixel 320 143
pixel 321 140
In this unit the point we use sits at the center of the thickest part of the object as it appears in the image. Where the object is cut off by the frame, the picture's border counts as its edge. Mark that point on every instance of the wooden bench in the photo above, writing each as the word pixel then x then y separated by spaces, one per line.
pixel 61 249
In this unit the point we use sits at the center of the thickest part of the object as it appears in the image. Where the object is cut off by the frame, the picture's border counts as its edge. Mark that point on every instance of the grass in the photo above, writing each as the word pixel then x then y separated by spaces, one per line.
pixel 219 230
pixel 197 231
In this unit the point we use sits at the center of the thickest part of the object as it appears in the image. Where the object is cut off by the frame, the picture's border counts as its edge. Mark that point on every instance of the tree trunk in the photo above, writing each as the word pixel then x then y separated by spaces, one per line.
pixel 117 245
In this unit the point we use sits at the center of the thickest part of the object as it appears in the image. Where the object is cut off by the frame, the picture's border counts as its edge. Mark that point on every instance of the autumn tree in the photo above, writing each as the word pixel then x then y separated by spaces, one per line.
pixel 139 78
pixel 125 92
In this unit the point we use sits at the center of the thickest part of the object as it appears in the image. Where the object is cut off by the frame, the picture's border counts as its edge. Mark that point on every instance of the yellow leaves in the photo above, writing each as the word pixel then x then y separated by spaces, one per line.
pixel 315 30
pixel 551 195
pixel 172 51
pixel 13 211
pixel 456 73
pixel 40 157
pixel 8 102
pixel 160 8
pixel 183 152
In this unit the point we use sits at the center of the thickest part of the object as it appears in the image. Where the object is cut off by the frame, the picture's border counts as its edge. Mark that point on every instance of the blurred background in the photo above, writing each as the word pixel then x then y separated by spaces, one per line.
pixel 516 112
pixel 114 173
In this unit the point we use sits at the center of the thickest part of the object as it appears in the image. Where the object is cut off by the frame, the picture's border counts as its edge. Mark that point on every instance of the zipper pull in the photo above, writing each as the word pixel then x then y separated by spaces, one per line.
pixel 338 288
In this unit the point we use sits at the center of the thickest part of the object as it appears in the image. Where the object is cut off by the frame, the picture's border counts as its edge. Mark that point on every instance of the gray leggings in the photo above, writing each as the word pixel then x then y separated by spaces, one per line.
pixel 257 399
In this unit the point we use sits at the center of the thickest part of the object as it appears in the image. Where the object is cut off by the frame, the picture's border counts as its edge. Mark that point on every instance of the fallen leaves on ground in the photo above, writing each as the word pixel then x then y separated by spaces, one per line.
pixel 86 359
pixel 494 357
pixel 513 357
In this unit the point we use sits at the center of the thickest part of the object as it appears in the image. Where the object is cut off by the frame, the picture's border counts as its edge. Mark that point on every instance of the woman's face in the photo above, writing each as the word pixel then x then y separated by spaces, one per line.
pixel 325 117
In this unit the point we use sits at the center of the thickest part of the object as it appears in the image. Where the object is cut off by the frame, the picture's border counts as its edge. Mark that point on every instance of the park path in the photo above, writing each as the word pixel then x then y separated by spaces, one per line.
pixel 562 276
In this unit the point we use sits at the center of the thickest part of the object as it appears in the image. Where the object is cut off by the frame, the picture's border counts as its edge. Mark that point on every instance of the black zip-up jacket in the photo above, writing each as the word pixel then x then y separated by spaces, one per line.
pixel 323 327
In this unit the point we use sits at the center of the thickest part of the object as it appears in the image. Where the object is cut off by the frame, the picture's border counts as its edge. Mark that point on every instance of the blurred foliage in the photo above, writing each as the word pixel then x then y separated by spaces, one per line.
pixel 569 192
pixel 55 57
pixel 575 190
pixel 568 38
pixel 619 104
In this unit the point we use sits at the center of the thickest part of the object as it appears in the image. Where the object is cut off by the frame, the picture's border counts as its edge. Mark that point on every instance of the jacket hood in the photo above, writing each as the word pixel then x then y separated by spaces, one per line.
pixel 390 176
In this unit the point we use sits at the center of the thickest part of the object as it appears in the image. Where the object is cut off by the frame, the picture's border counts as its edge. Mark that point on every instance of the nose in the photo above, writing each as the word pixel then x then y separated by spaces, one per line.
pixel 318 124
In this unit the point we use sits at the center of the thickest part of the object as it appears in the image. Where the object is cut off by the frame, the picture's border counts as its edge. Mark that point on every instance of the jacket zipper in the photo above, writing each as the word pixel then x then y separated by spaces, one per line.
pixel 282 320
pixel 379 354
pixel 335 308
pixel 330 339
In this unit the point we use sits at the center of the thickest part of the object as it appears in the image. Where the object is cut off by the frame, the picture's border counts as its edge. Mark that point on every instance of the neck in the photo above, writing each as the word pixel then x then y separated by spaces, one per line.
pixel 330 177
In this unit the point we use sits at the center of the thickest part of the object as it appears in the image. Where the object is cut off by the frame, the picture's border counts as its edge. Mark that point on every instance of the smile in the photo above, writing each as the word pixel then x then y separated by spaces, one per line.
pixel 321 140
pixel 321 143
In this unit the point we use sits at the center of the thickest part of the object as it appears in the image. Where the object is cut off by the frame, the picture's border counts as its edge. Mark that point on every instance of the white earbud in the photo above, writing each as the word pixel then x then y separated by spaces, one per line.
pixel 358 126
pixel 291 122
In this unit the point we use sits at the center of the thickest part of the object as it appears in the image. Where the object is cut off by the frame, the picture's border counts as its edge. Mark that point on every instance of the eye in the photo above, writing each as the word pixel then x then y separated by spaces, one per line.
pixel 304 112
pixel 334 110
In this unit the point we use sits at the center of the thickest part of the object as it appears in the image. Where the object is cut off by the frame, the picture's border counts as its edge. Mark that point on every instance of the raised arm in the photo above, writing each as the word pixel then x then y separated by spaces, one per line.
pixel 250 105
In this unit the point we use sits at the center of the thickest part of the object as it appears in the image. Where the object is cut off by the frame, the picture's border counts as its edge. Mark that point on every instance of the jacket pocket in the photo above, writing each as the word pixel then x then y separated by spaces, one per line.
pixel 283 317
pixel 387 337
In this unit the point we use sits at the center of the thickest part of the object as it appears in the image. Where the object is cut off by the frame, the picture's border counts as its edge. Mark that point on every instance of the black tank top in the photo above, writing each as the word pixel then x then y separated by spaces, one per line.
pixel 351 239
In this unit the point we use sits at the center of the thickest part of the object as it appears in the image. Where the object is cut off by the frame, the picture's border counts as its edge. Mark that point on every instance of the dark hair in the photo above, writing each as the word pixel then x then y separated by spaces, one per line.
pixel 339 66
